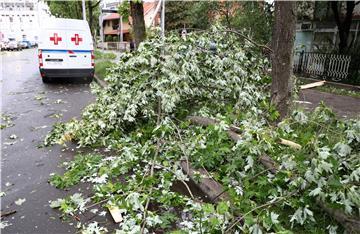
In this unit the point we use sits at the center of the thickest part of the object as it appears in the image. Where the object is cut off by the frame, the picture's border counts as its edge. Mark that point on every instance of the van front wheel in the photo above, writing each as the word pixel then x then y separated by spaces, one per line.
pixel 45 79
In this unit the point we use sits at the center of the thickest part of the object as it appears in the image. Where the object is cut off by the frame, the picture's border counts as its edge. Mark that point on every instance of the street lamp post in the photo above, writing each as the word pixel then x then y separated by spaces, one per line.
pixel 83 10
pixel 163 19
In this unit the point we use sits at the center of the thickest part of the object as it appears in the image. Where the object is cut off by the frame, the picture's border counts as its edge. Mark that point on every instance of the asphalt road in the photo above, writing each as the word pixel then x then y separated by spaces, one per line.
pixel 34 107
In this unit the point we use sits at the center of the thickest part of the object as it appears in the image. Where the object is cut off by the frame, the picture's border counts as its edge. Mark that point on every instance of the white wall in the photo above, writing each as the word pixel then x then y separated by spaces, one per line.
pixel 20 19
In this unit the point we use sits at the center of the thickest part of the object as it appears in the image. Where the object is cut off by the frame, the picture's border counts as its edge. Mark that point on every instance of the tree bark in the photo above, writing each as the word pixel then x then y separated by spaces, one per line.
pixel 282 56
pixel 90 17
pixel 138 22
pixel 91 6
pixel 343 24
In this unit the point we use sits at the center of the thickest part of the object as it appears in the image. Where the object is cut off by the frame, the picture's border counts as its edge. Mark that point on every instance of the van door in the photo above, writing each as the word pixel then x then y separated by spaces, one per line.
pixel 79 49
pixel 54 52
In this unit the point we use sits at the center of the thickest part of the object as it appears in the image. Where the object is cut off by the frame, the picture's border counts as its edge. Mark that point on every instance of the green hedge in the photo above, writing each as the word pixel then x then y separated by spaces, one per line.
pixel 101 68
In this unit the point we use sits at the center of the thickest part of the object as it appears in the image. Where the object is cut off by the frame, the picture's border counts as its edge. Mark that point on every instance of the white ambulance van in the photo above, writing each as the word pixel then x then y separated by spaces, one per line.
pixel 65 49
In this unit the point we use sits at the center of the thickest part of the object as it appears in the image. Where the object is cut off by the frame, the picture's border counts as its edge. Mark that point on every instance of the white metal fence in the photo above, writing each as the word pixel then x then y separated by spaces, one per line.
pixel 327 66
pixel 121 46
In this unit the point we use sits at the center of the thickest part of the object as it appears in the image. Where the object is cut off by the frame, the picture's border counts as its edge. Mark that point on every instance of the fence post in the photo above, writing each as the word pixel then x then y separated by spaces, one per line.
pixel 301 57
pixel 326 67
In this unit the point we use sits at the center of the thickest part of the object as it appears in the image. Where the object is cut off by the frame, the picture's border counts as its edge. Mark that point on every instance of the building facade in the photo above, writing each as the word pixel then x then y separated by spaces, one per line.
pixel 113 25
pixel 20 19
pixel 318 32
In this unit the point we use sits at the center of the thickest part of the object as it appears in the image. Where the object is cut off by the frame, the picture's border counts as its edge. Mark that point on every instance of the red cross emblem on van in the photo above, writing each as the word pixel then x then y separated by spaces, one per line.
pixel 76 39
pixel 55 39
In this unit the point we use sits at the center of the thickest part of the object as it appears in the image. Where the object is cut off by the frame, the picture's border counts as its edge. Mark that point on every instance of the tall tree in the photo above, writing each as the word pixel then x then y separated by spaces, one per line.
pixel 138 22
pixel 282 57
pixel 343 21
pixel 91 7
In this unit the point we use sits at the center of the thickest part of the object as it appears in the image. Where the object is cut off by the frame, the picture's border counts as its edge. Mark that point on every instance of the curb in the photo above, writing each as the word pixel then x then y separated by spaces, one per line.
pixel 99 81
pixel 334 84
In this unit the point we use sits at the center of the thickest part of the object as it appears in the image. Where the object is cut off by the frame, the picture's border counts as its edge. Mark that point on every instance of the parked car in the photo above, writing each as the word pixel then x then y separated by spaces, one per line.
pixel 22 45
pixel 33 44
pixel 13 44
pixel 27 44
pixel 3 45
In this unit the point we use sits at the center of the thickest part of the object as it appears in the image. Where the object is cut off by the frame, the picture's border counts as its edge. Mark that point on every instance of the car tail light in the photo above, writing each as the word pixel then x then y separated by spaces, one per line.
pixel 92 59
pixel 40 59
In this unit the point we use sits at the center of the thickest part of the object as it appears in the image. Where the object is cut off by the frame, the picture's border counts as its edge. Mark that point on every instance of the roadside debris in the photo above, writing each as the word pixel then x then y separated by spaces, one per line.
pixel 13 136
pixel 4 214
pixel 303 102
pixel 37 128
pixel 6 121
pixel 39 97
pixel 57 116
pixel 4 224
pixel 157 138
pixel 20 201
pixel 116 214
pixel 290 143
pixel 10 143
pixel 312 85
pixel 59 101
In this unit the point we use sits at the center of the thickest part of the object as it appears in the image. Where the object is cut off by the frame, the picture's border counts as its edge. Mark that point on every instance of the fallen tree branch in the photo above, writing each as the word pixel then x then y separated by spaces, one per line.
pixel 312 85
pixel 4 214
pixel 208 186
pixel 158 121
pixel 290 143
pixel 250 40
pixel 204 121
pixel 351 224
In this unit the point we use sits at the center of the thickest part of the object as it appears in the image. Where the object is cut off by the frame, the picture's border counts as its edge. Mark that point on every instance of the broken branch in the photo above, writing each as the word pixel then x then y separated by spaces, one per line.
pixel 312 85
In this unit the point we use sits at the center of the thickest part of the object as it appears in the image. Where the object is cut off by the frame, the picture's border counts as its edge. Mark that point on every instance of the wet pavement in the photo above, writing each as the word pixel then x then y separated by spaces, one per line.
pixel 343 106
pixel 33 108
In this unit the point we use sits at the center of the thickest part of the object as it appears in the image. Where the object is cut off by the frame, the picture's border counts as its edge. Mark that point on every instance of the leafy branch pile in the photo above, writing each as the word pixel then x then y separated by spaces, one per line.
pixel 143 116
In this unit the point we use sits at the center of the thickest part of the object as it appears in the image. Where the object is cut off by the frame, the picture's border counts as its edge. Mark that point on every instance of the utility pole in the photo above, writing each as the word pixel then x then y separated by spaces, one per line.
pixel 83 9
pixel 121 34
pixel 163 19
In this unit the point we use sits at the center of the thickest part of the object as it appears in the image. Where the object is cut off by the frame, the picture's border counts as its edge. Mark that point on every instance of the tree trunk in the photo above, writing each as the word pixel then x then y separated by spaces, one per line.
pixel 90 17
pixel 138 22
pixel 343 24
pixel 282 56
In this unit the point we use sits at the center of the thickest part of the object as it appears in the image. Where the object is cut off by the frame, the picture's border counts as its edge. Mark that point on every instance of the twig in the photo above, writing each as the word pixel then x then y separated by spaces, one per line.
pixel 182 181
pixel 97 203
pixel 248 39
pixel 259 207
pixel 152 167
pixel 260 173
pixel 182 149
pixel 7 213
pixel 207 172
pixel 217 196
